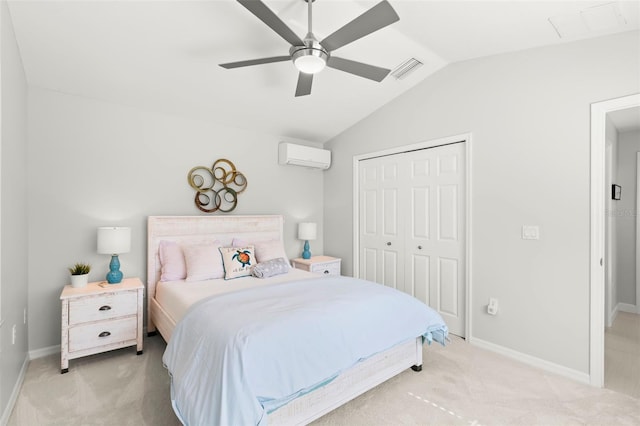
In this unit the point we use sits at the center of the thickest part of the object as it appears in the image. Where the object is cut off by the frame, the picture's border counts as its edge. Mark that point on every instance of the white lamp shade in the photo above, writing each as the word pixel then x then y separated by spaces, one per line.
pixel 114 240
pixel 307 231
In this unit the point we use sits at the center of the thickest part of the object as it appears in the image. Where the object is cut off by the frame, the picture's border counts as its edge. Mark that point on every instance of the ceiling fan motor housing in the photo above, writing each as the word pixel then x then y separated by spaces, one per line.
pixel 311 57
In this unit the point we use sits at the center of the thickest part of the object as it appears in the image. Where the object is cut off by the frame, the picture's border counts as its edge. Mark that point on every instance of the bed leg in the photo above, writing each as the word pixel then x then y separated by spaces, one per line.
pixel 416 367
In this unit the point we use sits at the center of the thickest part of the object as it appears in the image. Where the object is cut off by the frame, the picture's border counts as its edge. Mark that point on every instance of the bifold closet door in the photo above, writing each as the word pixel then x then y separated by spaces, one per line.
pixel 381 232
pixel 435 231
pixel 411 220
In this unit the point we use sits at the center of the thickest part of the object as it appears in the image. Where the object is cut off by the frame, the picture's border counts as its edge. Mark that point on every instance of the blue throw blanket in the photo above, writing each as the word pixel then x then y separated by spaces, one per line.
pixel 236 357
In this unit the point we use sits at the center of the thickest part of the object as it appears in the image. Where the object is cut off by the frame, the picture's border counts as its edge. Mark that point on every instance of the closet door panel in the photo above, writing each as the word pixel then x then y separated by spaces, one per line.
pixel 420 277
pixel 447 286
pixel 380 228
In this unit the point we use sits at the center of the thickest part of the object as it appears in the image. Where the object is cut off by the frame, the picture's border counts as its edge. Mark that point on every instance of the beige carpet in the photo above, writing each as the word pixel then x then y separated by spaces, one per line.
pixel 459 385
pixel 622 355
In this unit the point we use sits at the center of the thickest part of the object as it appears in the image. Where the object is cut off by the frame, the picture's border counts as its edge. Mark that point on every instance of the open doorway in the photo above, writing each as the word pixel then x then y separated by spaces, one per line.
pixel 622 252
pixel 604 280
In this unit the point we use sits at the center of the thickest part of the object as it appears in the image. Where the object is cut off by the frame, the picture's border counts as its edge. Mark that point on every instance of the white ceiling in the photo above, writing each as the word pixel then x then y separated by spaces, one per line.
pixel 164 55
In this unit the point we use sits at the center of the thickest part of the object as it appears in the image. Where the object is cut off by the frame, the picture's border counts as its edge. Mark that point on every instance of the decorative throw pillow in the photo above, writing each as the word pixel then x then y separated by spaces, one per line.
pixel 237 261
pixel 270 268
pixel 268 250
pixel 203 261
pixel 172 263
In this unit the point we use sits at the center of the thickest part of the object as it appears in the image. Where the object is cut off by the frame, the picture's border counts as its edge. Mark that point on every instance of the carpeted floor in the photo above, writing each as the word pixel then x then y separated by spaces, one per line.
pixel 459 385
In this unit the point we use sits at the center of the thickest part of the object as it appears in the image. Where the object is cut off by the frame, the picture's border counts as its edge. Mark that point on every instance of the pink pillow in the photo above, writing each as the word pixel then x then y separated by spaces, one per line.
pixel 269 250
pixel 172 261
pixel 203 261
pixel 239 242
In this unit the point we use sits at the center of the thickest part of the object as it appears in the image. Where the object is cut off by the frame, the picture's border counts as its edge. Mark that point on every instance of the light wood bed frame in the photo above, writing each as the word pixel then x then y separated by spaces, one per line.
pixel 355 381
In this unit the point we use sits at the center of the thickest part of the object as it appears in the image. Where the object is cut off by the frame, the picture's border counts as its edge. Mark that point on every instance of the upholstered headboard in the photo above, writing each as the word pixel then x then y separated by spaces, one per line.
pixel 193 229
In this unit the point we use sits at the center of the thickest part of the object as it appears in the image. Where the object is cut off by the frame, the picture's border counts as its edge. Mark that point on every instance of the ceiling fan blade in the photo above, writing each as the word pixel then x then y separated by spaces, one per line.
pixel 255 62
pixel 304 84
pixel 379 16
pixel 358 68
pixel 266 15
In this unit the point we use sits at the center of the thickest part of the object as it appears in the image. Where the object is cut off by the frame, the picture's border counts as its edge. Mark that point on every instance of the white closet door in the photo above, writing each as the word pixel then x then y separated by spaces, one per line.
pixel 381 232
pixel 435 234
pixel 412 234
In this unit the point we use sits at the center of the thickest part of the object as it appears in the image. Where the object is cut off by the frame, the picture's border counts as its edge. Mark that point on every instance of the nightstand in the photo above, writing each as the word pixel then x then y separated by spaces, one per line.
pixel 100 317
pixel 318 264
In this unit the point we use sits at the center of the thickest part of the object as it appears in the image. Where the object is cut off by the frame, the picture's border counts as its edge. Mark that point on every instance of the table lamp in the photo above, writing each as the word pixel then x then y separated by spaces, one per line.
pixel 306 231
pixel 114 241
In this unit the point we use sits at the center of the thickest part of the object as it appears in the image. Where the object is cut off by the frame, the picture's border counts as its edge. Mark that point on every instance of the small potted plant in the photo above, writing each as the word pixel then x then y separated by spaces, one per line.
pixel 79 274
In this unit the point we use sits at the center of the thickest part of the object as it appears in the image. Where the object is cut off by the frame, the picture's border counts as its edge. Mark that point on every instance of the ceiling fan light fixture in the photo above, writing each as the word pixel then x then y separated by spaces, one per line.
pixel 310 60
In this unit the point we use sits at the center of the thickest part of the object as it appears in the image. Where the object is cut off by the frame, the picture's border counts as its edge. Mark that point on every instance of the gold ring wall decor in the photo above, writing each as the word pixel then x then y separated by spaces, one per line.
pixel 217 188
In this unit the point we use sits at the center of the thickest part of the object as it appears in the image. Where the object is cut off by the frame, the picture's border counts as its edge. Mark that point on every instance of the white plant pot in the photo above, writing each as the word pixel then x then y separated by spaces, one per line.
pixel 79 281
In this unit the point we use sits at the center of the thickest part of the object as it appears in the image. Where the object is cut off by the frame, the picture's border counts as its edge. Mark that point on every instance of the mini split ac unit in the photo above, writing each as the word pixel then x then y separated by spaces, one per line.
pixel 306 156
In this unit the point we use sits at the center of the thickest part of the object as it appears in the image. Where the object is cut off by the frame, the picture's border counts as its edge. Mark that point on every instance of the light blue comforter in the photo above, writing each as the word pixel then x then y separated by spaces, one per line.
pixel 235 357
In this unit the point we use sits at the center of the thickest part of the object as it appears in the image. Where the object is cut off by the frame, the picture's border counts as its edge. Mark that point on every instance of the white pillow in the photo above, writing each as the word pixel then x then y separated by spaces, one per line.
pixel 237 261
pixel 203 261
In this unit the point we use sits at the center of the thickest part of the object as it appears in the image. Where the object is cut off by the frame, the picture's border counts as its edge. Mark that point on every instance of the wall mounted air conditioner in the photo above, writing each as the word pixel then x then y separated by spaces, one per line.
pixel 306 156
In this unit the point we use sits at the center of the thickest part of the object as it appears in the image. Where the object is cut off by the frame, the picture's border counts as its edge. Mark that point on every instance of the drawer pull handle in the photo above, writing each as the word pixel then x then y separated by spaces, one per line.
pixel 419 247
pixel 105 308
pixel 326 271
pixel 104 334
pixel 388 243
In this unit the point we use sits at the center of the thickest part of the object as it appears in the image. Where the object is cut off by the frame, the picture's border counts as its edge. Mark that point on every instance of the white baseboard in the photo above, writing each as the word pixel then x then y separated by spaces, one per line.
pixel 14 394
pixel 627 307
pixel 42 352
pixel 533 361
pixel 613 315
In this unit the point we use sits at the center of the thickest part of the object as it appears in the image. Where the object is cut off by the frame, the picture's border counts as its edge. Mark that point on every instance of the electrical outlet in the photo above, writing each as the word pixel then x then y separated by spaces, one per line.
pixel 13 335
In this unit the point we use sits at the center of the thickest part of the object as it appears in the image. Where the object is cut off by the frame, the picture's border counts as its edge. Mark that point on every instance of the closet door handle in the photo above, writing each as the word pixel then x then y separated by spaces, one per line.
pixel 388 243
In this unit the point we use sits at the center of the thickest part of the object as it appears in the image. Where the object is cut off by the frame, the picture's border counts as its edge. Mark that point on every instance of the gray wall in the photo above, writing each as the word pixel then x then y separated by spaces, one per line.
pixel 529 113
pixel 626 212
pixel 94 164
pixel 13 208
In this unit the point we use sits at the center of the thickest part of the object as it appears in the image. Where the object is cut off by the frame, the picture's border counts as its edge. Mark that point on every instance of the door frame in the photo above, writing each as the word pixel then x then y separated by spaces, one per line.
pixel 599 111
pixel 637 233
pixel 461 138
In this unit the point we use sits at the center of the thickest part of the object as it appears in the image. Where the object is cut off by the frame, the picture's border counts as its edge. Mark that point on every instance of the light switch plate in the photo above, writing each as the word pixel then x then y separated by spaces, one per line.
pixel 530 232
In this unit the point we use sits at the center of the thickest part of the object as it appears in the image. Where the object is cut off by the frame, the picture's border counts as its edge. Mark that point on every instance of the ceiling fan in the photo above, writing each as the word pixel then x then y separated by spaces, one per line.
pixel 311 56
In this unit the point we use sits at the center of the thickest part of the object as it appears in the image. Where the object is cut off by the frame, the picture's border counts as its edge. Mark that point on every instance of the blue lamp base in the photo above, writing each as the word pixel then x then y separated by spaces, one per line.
pixel 114 276
pixel 306 254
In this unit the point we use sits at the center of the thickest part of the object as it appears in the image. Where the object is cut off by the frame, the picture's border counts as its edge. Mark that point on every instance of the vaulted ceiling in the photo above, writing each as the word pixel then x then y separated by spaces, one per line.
pixel 164 55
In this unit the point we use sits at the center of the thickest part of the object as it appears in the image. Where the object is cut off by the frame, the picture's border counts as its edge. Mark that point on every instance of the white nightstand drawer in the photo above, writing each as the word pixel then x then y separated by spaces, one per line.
pixel 104 306
pixel 102 333
pixel 328 268
pixel 324 265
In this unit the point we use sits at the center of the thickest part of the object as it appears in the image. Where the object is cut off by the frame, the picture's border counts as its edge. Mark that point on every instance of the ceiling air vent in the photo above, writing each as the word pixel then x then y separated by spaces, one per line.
pixel 406 68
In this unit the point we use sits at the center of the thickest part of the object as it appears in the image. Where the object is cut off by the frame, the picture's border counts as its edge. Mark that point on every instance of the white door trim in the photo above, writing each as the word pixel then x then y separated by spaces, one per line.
pixel 464 137
pixel 637 233
pixel 599 113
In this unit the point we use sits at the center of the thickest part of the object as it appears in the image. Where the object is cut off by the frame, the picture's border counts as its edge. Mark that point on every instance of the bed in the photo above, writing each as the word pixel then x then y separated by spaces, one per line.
pixel 176 309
